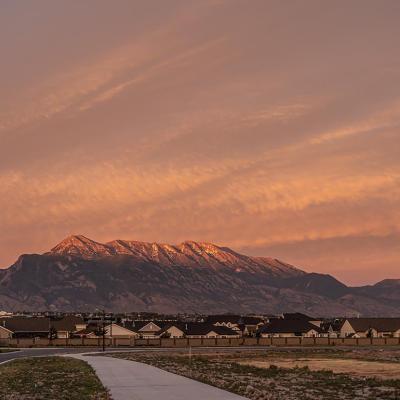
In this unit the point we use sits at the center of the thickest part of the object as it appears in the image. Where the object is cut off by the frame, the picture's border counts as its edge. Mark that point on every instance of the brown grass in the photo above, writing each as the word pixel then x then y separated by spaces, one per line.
pixel 50 378
pixel 227 371
pixel 360 368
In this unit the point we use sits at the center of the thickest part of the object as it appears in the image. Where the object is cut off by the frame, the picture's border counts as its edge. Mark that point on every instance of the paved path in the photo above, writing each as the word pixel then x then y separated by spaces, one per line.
pixel 129 380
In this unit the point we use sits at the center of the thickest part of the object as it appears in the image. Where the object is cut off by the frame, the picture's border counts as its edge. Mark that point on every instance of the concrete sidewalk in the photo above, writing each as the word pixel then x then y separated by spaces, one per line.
pixel 129 380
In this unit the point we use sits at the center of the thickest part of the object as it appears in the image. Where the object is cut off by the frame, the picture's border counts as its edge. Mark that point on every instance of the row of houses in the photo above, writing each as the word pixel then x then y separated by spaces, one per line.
pixel 72 327
pixel 217 326
pixel 303 326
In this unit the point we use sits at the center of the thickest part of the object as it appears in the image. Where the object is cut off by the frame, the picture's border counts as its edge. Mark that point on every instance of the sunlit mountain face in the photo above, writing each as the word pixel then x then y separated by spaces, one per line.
pixel 266 126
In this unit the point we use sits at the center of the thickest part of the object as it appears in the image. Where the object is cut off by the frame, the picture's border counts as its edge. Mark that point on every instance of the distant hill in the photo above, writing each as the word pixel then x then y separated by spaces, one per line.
pixel 80 274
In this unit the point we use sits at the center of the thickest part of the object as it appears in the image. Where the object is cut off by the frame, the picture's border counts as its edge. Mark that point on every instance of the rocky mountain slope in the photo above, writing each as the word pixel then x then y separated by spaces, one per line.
pixel 81 274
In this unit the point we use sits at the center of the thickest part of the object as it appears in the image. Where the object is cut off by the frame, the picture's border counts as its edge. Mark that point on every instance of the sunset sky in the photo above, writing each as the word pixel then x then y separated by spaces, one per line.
pixel 272 127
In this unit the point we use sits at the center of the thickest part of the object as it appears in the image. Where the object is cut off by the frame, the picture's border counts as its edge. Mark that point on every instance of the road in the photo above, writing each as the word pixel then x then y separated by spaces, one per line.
pixel 50 351
pixel 129 380
pixel 53 351
pixel 41 352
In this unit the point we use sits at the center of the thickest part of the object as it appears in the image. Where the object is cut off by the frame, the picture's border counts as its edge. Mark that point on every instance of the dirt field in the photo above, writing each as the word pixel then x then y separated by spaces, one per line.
pixel 373 369
pixel 273 375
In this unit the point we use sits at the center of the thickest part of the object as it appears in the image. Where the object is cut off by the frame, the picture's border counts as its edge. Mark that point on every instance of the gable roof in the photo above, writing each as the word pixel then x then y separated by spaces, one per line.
pixel 233 319
pixel 379 324
pixel 137 326
pixel 109 327
pixel 170 325
pixel 26 324
pixel 67 323
pixel 249 320
pixel 288 326
pixel 203 328
pixel 5 329
pixel 200 329
pixel 297 316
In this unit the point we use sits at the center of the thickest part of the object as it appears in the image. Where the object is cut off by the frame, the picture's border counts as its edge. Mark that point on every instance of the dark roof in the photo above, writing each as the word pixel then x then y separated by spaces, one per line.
pixel 380 324
pixel 224 331
pixel 288 326
pixel 334 324
pixel 297 316
pixel 212 319
pixel 250 320
pixel 67 323
pixel 25 324
pixel 203 328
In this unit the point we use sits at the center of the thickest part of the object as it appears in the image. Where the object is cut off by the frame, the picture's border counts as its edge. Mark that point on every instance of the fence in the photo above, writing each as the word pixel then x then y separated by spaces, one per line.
pixel 204 342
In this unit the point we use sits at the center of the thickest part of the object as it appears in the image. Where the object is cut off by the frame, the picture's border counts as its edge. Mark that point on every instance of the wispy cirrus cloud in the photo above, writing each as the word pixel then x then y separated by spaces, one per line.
pixel 248 126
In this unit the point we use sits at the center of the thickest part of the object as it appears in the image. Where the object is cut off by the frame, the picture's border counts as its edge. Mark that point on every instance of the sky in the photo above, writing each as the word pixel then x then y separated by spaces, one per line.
pixel 270 127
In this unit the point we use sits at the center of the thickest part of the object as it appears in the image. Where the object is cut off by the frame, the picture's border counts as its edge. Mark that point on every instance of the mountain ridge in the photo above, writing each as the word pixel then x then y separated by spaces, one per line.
pixel 80 274
pixel 190 253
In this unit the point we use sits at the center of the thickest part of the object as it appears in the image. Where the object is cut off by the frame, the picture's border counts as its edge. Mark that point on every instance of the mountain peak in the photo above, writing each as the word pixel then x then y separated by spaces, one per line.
pixel 77 239
pixel 80 246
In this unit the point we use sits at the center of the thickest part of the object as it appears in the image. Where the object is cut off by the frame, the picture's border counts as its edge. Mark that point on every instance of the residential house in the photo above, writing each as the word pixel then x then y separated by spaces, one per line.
pixel 229 320
pixel 5 333
pixel 173 330
pixel 124 329
pixel 197 330
pixel 4 314
pixel 331 327
pixel 112 330
pixel 370 327
pixel 249 325
pixel 145 329
pixel 67 325
pixel 245 325
pixel 289 328
pixel 24 327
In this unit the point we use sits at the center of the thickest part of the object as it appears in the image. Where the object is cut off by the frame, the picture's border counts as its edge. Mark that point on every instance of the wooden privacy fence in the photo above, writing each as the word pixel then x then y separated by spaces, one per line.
pixel 205 342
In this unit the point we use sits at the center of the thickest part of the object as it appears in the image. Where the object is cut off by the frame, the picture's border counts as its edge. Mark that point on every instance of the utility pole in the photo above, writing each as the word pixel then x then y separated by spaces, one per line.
pixel 104 331
pixel 111 324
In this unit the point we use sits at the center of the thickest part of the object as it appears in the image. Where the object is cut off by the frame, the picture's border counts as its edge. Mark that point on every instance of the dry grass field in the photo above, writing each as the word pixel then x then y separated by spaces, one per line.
pixel 382 370
pixel 50 378
pixel 290 374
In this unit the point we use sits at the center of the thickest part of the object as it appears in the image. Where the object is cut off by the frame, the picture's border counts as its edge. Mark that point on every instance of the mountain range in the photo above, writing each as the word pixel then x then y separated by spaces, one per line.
pixel 80 274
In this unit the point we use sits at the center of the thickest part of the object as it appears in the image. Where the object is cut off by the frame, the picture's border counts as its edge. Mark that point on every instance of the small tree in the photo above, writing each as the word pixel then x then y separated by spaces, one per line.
pixel 52 333
pixel 100 331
